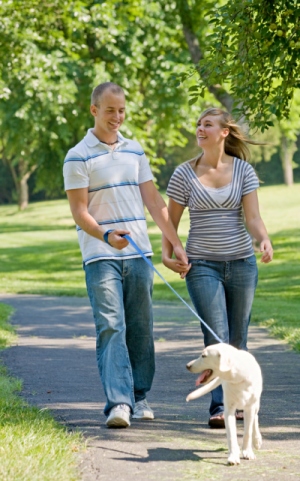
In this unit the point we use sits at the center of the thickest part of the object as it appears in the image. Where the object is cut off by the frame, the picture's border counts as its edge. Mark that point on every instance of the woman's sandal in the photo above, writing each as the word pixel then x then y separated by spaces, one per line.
pixel 239 415
pixel 217 421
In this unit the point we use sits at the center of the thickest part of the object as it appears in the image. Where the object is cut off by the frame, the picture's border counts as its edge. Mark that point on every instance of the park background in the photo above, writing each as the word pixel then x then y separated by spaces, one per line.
pixel 173 59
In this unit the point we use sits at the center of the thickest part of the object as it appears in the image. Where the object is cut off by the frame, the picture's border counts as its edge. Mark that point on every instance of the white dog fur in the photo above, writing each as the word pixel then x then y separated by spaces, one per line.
pixel 241 379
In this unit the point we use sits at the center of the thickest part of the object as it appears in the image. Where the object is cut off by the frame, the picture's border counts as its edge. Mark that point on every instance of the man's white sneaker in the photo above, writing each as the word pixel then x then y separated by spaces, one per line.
pixel 119 416
pixel 142 411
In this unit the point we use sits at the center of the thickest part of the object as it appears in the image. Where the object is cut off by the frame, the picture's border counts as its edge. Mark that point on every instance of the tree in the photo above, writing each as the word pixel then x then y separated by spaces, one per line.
pixel 56 54
pixel 254 50
pixel 289 132
pixel 195 26
pixel 37 83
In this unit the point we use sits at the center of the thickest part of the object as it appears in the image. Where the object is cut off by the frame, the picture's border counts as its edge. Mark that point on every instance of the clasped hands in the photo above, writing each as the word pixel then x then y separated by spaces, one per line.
pixel 180 264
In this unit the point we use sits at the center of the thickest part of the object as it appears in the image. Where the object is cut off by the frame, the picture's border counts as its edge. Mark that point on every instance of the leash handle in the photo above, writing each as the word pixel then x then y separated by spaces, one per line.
pixel 131 241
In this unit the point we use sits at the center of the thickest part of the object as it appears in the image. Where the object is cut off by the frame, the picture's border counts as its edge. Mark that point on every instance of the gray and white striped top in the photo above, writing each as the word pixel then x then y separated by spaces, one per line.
pixel 217 231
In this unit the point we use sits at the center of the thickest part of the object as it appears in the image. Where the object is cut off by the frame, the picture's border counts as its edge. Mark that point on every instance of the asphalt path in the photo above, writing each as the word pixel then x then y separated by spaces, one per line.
pixel 55 358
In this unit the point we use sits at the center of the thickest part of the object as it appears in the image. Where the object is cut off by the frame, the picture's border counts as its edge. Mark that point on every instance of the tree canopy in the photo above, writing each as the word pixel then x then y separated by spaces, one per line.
pixel 53 54
pixel 254 52
pixel 56 53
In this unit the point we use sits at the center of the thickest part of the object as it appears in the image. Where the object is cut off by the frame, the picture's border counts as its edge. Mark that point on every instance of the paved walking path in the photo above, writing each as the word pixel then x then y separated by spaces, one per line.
pixel 55 358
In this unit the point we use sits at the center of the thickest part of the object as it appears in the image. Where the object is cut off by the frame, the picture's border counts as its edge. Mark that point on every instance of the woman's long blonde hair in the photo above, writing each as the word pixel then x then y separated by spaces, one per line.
pixel 236 141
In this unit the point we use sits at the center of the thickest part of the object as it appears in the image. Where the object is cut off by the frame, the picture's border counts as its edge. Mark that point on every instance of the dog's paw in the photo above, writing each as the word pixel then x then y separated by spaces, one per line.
pixel 248 454
pixel 233 459
pixel 257 441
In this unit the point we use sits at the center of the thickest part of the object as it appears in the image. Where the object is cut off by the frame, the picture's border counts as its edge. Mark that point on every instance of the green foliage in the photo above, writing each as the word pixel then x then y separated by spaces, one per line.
pixel 56 53
pixel 7 334
pixel 254 50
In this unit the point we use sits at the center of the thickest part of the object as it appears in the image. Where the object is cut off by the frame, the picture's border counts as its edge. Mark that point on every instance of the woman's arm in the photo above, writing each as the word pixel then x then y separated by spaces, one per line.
pixel 175 211
pixel 256 226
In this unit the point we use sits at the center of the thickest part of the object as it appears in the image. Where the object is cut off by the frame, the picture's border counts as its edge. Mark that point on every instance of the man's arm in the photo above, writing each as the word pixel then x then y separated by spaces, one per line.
pixel 159 212
pixel 78 200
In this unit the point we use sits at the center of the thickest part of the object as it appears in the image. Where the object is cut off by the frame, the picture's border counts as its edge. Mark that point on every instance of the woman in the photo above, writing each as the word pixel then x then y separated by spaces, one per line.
pixel 220 189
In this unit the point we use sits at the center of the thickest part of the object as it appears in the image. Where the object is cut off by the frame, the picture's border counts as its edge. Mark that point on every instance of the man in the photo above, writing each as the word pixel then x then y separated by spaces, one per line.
pixel 107 180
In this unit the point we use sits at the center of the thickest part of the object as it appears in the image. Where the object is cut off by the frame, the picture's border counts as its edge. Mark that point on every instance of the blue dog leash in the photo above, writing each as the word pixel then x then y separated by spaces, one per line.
pixel 162 278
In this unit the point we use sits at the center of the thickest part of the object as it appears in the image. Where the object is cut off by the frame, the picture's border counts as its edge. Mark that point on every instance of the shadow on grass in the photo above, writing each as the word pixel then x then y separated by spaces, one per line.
pixel 34 227
pixel 51 256
pixel 56 361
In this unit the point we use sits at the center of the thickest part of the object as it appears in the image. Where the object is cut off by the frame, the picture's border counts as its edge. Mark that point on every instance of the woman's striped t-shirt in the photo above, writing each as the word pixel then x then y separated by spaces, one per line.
pixel 217 231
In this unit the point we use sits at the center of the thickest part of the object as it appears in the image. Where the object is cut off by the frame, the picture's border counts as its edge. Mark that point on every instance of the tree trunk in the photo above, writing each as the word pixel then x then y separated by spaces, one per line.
pixel 23 195
pixel 21 174
pixel 287 148
pixel 196 54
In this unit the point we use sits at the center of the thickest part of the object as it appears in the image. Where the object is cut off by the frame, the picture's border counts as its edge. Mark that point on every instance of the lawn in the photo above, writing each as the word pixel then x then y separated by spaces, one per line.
pixel 39 254
pixel 34 447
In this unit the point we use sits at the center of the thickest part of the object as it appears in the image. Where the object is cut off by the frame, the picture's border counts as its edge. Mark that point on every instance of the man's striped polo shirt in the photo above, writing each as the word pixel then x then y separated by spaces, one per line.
pixel 114 199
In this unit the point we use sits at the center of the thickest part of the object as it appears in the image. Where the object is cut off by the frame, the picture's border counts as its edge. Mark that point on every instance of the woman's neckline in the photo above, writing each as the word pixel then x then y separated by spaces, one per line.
pixel 221 186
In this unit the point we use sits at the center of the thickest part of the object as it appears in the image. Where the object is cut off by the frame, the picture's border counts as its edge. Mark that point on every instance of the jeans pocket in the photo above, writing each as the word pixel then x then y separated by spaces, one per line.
pixel 250 260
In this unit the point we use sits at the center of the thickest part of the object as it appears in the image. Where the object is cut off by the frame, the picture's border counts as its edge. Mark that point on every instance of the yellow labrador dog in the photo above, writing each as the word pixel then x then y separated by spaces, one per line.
pixel 241 379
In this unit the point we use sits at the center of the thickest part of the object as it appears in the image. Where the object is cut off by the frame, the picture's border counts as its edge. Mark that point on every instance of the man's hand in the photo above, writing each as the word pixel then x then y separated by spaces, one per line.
pixel 116 239
pixel 180 264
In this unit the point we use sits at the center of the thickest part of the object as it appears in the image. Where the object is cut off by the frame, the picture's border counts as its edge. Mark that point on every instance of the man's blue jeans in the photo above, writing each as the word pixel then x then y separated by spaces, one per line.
pixel 223 293
pixel 120 294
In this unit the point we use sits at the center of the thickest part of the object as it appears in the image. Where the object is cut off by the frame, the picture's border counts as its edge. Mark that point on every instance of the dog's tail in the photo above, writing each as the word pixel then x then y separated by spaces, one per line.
pixel 204 389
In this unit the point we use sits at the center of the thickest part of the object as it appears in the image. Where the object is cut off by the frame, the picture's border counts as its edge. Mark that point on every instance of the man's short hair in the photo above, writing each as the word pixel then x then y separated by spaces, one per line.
pixel 98 91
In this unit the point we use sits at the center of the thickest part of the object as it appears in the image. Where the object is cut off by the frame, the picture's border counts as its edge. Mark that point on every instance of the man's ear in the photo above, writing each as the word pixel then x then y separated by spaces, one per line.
pixel 93 110
pixel 225 363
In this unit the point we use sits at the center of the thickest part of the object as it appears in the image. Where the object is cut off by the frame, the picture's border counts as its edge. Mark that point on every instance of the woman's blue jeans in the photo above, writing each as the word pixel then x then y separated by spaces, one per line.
pixel 223 293
pixel 120 294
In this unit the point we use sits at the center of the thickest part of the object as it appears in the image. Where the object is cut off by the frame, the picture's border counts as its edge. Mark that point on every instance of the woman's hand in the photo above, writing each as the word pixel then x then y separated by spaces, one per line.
pixel 267 250
pixel 177 266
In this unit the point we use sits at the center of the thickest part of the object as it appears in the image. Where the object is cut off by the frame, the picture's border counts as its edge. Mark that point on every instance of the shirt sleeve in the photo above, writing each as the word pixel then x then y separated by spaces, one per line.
pixel 145 173
pixel 176 189
pixel 75 172
pixel 251 181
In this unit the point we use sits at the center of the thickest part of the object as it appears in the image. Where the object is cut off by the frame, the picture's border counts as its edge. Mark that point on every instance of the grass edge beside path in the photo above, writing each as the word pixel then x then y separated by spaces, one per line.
pixel 39 254
pixel 33 445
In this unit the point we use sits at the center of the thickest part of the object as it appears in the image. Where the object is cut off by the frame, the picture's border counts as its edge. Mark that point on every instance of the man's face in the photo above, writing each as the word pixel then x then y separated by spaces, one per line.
pixel 110 112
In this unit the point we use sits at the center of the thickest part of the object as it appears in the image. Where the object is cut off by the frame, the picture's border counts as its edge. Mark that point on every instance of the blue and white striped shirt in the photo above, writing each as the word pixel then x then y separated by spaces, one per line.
pixel 114 199
pixel 217 231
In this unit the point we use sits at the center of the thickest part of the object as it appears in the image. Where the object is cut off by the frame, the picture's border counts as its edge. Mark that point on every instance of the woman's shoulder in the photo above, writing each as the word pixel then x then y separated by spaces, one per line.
pixel 187 165
pixel 243 164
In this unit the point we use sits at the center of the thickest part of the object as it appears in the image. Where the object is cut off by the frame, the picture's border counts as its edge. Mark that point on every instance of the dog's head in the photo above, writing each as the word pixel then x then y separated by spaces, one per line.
pixel 214 361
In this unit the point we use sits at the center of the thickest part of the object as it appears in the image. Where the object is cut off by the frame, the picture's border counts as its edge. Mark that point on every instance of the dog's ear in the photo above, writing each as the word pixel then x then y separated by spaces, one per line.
pixel 225 362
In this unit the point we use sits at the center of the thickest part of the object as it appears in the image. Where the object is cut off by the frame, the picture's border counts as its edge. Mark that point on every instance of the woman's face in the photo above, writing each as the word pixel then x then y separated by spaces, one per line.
pixel 209 131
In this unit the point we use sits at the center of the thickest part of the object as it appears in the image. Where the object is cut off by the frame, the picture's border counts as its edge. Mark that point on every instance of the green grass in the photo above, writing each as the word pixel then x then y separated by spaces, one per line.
pixel 39 254
pixel 33 446
pixel 277 301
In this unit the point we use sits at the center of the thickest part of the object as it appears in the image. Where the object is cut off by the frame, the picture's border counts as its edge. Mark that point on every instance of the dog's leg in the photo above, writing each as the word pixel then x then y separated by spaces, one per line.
pixel 249 423
pixel 230 424
pixel 204 390
pixel 256 438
